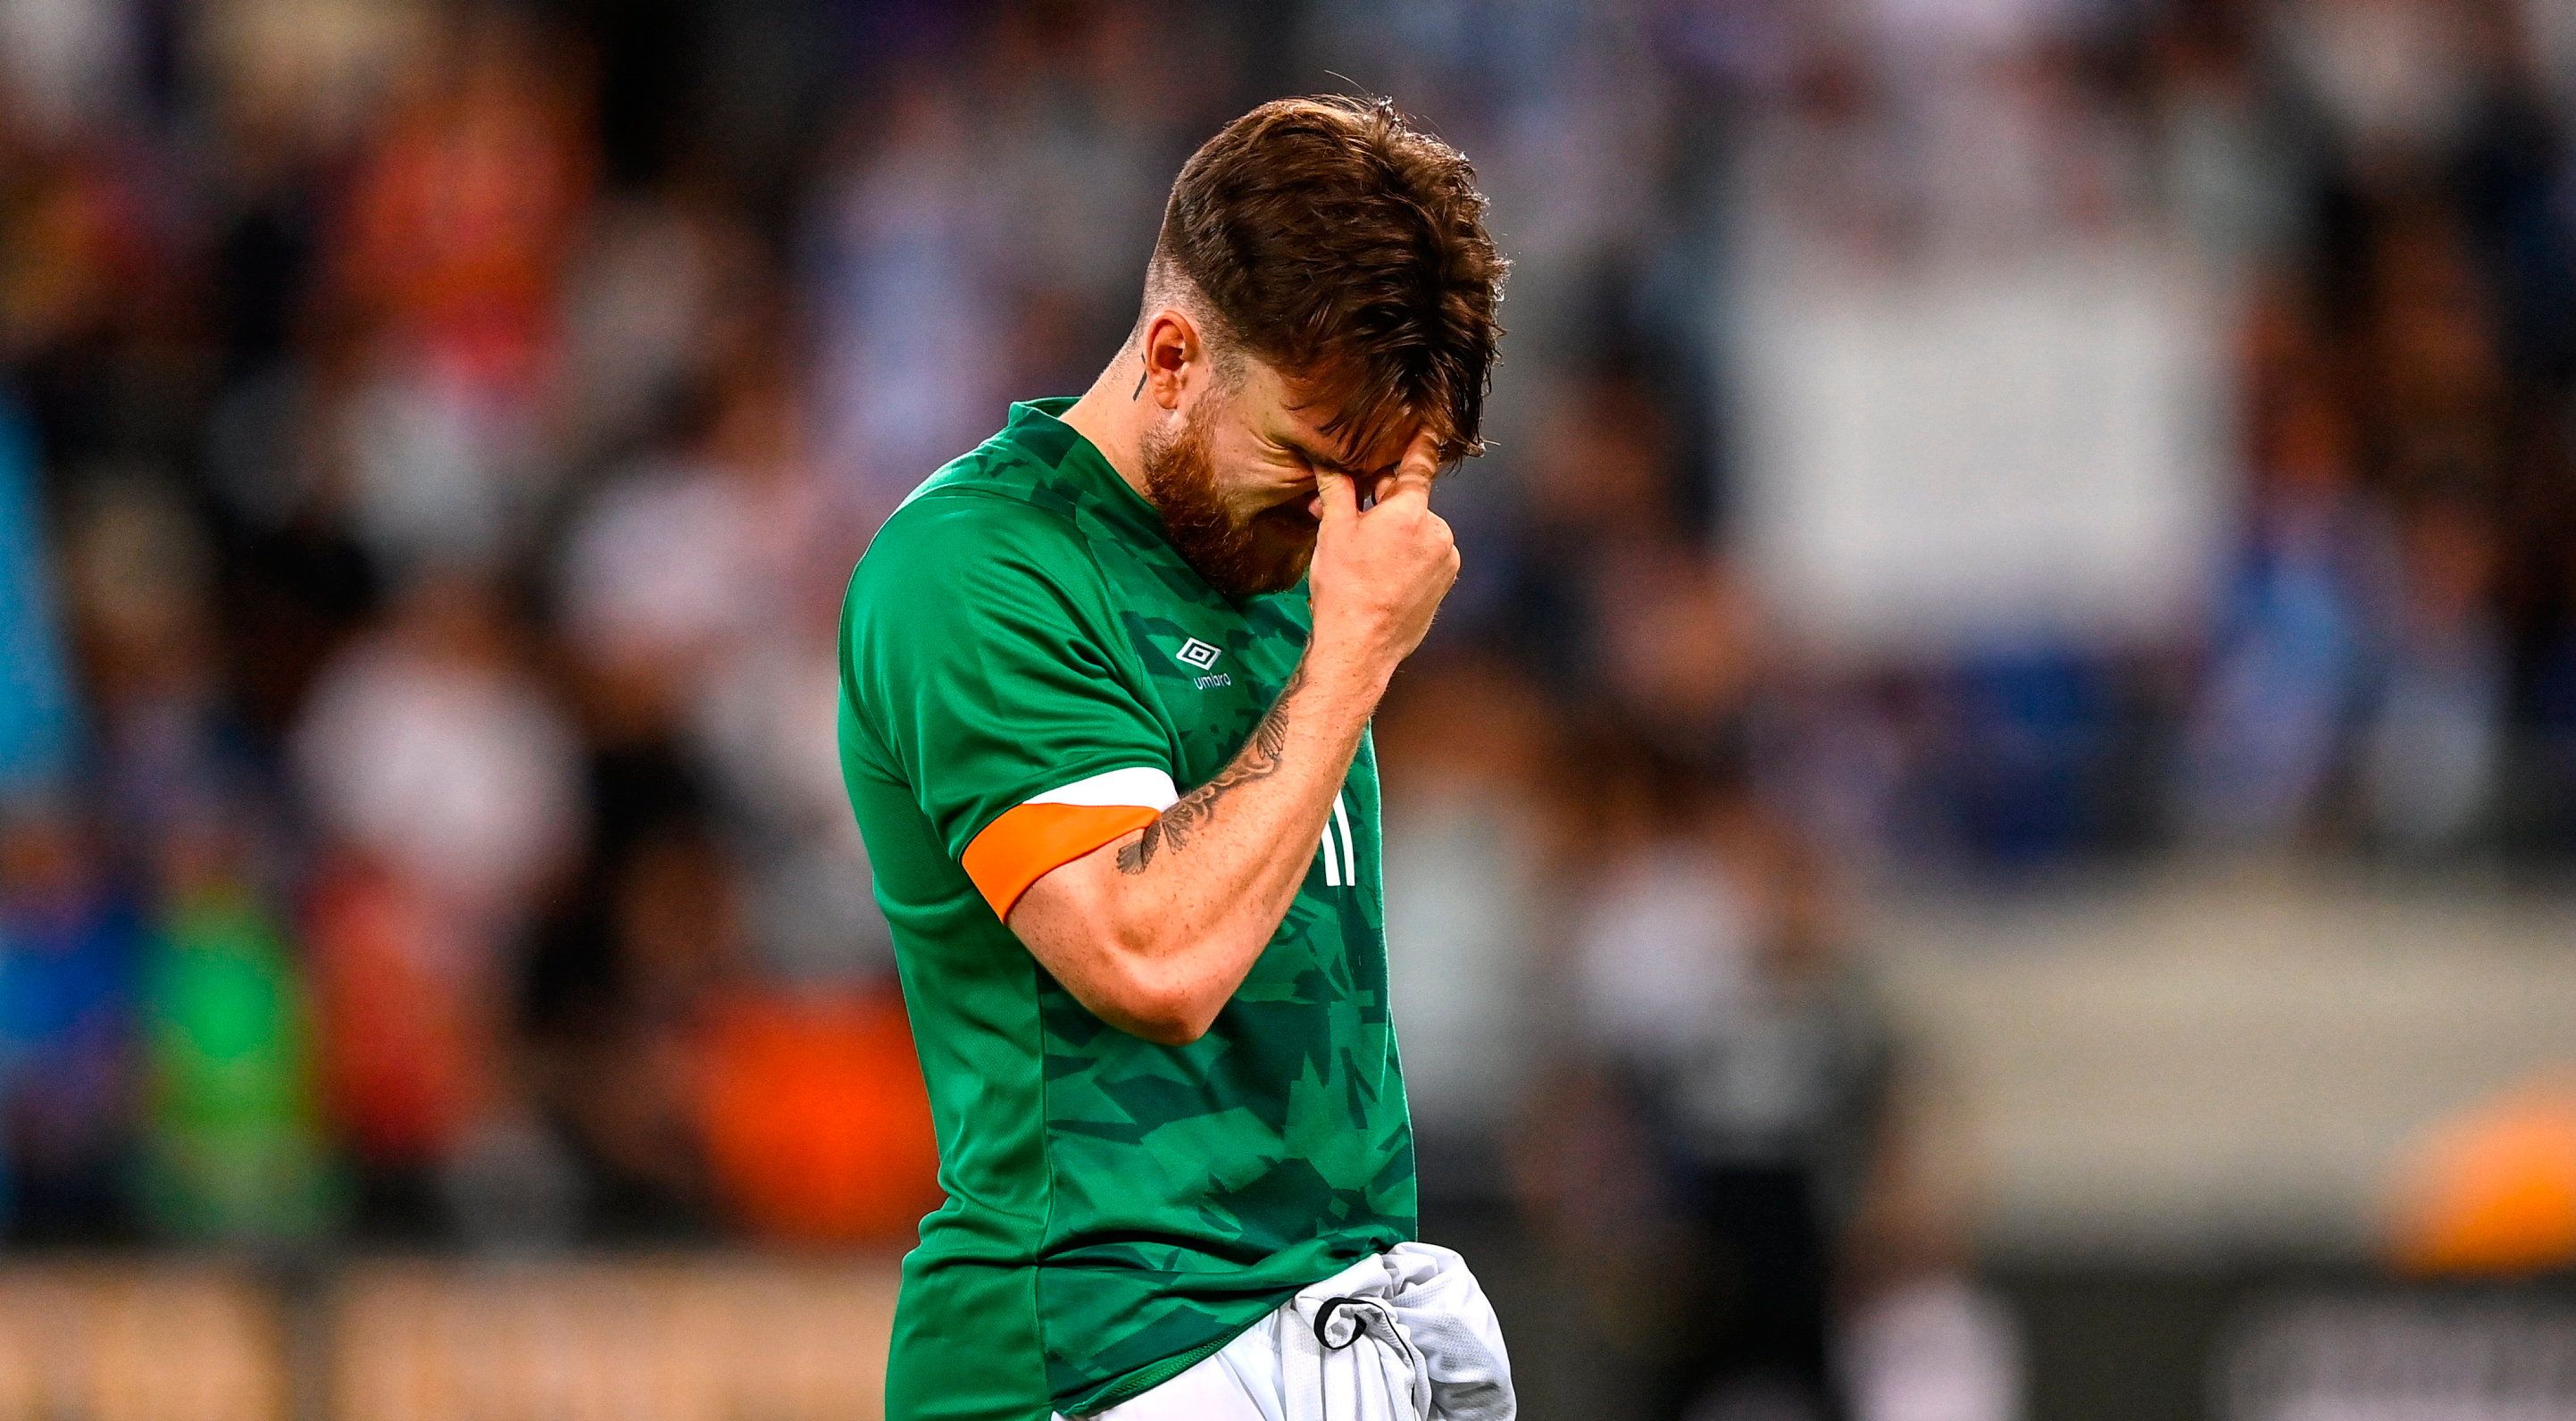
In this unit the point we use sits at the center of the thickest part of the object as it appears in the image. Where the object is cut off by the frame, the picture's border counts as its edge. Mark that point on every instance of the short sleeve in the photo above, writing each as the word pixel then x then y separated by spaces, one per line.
pixel 980 657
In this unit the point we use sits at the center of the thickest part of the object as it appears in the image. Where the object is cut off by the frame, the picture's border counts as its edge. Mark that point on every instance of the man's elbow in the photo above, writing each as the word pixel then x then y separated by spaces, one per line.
pixel 1167 1028
pixel 1160 1011
pixel 1140 967
pixel 1149 998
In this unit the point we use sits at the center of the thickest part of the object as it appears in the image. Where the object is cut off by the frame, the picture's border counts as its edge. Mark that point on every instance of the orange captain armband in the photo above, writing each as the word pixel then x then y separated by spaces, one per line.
pixel 1033 839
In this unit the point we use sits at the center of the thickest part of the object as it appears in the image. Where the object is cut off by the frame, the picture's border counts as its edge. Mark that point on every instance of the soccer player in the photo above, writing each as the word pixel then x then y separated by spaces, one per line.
pixel 1106 686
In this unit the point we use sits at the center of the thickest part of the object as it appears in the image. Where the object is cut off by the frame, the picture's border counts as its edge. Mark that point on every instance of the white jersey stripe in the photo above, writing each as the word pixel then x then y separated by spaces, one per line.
pixel 1142 786
pixel 1350 856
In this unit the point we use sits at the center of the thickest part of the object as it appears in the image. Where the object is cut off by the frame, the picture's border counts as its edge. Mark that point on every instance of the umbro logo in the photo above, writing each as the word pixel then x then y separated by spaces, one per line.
pixel 1195 652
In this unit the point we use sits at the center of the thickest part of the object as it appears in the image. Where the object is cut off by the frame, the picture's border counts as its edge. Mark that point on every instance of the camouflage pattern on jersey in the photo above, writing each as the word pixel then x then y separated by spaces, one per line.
pixel 1171 1196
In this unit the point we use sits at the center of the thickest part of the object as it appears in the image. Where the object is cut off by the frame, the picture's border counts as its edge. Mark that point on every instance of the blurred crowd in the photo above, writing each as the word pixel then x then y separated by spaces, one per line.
pixel 433 437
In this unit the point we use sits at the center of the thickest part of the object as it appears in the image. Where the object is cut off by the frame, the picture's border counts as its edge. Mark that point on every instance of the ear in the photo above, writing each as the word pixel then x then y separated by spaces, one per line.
pixel 1175 358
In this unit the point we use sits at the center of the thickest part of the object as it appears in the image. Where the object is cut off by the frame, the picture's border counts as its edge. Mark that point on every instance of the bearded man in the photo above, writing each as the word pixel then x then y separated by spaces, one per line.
pixel 1106 686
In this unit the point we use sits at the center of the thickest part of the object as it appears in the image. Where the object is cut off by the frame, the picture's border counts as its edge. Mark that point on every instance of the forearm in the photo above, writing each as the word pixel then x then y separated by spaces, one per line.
pixel 1218 869
pixel 1156 930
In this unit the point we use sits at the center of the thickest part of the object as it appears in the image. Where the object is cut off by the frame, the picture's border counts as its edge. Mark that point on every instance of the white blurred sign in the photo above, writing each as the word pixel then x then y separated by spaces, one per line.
pixel 1937 457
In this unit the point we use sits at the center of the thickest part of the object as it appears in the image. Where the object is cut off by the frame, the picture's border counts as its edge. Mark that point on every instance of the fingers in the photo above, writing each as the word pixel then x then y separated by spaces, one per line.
pixel 1338 499
pixel 1411 480
pixel 1414 472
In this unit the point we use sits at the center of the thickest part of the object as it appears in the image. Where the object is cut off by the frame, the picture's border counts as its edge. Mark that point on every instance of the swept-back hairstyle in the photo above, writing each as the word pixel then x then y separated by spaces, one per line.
pixel 1347 248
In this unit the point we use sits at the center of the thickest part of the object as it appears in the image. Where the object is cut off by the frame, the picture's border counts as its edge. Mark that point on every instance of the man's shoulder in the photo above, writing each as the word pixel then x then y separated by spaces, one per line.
pixel 1020 467
pixel 957 517
pixel 966 534
pixel 1001 526
pixel 965 562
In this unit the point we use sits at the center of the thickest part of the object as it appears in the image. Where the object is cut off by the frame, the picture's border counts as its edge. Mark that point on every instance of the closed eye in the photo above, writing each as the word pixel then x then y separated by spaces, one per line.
pixel 1314 462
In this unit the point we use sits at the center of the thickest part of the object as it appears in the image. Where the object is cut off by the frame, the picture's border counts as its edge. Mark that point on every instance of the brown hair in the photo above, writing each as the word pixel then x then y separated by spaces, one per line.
pixel 1346 247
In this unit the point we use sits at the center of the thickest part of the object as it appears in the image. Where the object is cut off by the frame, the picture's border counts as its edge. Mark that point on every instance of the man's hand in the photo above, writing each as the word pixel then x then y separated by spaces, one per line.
pixel 1379 574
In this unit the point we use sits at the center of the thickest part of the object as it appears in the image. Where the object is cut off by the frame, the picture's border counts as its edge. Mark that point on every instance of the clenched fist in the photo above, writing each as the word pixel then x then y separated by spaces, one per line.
pixel 1380 573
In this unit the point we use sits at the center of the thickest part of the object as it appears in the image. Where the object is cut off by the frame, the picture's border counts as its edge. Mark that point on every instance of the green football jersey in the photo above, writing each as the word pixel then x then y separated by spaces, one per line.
pixel 1029 669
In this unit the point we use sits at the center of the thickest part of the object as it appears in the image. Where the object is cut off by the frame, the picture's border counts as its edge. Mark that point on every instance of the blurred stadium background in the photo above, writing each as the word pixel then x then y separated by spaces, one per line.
pixel 1988 834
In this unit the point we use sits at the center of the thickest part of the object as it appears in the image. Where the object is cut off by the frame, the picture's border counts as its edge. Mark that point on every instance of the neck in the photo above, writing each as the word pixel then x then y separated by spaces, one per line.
pixel 1113 419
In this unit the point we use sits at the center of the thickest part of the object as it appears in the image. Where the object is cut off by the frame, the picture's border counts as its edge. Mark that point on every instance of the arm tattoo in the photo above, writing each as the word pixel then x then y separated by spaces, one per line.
pixel 1257 760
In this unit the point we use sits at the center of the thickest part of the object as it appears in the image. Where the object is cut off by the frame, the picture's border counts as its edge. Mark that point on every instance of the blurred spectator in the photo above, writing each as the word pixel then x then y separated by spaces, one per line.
pixel 1664 945
pixel 2261 744
pixel 444 778
pixel 662 284
pixel 699 592
pixel 36 707
pixel 907 298
pixel 428 748
pixel 71 940
pixel 234 1147
pixel 456 229
pixel 2433 743
pixel 1467 843
pixel 1765 1092
pixel 616 1004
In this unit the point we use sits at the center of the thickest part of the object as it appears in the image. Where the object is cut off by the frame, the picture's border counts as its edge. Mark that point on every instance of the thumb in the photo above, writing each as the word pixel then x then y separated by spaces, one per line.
pixel 1341 501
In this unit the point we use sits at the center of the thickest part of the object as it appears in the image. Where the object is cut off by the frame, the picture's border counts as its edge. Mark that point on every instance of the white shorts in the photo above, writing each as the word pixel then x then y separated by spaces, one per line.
pixel 1404 1336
